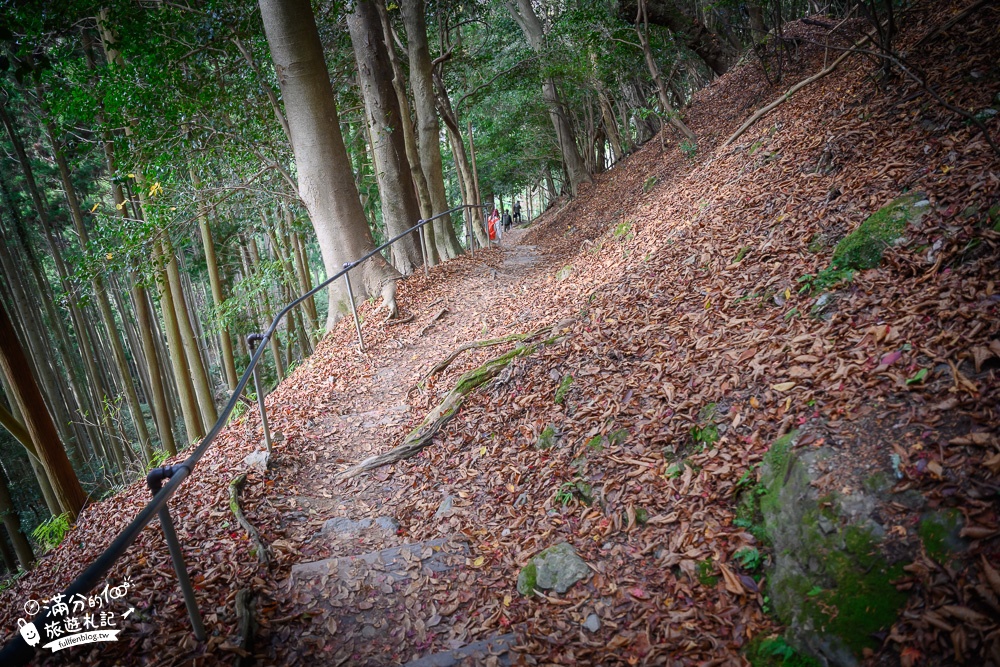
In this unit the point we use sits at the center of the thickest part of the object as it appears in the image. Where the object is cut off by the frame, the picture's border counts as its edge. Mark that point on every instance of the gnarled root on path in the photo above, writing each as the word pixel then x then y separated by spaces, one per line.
pixel 422 435
pixel 235 487
pixel 512 338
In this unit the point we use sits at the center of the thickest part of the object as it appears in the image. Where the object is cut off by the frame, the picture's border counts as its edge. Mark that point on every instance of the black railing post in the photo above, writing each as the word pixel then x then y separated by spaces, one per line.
pixel 251 339
pixel 354 308
pixel 155 481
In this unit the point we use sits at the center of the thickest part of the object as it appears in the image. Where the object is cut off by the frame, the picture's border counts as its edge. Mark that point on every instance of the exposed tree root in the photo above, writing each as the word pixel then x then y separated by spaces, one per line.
pixel 246 626
pixel 235 487
pixel 434 319
pixel 422 435
pixel 512 338
pixel 794 89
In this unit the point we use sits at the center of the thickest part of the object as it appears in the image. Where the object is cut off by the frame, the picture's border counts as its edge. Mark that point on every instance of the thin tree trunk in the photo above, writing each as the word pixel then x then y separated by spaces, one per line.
pixel 302 274
pixel 37 420
pixel 642 31
pixel 428 131
pixel 212 265
pixel 12 522
pixel 275 344
pixel 524 14
pixel 193 425
pixel 13 421
pixel 409 136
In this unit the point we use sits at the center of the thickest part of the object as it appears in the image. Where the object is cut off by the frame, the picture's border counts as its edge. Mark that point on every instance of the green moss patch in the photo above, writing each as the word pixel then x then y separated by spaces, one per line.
pixel 563 389
pixel 830 583
pixel 940 531
pixel 863 248
pixel 547 438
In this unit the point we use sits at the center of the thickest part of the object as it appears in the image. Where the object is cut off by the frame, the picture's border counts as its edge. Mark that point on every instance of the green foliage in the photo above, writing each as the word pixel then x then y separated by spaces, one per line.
pixel 706 573
pixel 749 558
pixel 776 652
pixel 825 280
pixel 547 438
pixel 689 148
pixel 863 248
pixel 563 389
pixel 159 456
pixel 50 533
pixel 577 489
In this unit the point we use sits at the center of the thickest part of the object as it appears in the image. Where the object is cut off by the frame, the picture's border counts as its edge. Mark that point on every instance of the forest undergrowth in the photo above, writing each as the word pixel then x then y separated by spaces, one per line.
pixel 695 332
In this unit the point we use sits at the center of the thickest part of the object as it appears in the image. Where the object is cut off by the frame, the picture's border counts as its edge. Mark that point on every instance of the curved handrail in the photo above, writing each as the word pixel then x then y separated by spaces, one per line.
pixel 17 651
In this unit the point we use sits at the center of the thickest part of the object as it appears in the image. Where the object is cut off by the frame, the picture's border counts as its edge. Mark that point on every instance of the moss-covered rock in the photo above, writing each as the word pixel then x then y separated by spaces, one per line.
pixel 556 568
pixel 863 248
pixel 830 583
pixel 940 532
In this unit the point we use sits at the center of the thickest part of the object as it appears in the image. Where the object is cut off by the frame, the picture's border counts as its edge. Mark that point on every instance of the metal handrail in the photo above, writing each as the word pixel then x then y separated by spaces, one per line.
pixel 17 651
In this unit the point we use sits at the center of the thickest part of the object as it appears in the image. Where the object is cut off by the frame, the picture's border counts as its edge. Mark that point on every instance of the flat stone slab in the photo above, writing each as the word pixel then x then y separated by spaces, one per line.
pixel 475 653
pixel 344 527
pixel 432 556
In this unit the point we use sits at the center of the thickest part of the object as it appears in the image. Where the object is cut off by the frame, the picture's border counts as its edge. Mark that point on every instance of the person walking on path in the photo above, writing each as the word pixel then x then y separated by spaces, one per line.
pixel 517 212
pixel 492 225
pixel 506 221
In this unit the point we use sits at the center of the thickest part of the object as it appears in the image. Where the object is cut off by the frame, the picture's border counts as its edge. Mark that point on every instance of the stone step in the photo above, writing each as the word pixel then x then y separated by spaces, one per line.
pixel 431 556
pixel 476 653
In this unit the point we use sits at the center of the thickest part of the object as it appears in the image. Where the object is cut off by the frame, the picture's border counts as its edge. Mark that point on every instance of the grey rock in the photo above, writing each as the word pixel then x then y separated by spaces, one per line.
pixel 593 623
pixel 387 524
pixel 556 568
pixel 445 507
pixel 344 527
pixel 474 653
pixel 258 461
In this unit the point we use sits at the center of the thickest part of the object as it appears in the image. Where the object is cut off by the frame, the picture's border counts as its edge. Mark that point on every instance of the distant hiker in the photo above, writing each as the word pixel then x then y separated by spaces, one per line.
pixel 506 221
pixel 517 211
pixel 492 223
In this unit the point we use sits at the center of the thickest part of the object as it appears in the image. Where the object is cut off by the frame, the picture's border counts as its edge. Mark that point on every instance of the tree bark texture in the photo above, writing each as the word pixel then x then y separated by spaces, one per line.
pixel 400 208
pixel 428 129
pixel 325 179
pixel 37 420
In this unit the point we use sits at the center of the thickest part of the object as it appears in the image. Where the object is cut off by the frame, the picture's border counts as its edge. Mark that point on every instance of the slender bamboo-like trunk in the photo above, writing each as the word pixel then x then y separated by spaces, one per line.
pixel 140 303
pixel 196 366
pixel 305 283
pixel 295 272
pixel 208 245
pixel 268 314
pixel 178 360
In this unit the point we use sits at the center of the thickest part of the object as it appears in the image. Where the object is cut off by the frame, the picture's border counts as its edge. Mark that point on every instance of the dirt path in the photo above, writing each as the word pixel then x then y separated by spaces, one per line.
pixel 372 609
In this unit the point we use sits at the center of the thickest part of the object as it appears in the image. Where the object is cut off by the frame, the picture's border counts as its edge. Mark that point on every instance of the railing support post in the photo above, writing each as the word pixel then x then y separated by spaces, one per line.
pixel 251 339
pixel 354 308
pixel 155 481
pixel 423 245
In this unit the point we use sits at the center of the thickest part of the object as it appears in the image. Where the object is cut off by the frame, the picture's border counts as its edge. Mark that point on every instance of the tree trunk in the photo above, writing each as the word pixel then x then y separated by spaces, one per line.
pixel 193 425
pixel 524 15
pixel 409 136
pixel 428 130
pixel 37 420
pixel 642 32
pixel 400 208
pixel 14 423
pixel 689 31
pixel 212 265
pixel 302 274
pixel 164 426
pixel 325 178
pixel 275 344
pixel 12 522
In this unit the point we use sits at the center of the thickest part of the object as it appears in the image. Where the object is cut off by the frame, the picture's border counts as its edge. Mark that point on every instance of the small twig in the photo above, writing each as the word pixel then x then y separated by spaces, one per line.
pixel 235 487
pixel 434 319
pixel 404 320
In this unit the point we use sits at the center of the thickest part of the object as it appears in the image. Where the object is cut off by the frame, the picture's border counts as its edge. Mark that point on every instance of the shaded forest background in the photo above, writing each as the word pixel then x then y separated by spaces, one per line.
pixel 149 210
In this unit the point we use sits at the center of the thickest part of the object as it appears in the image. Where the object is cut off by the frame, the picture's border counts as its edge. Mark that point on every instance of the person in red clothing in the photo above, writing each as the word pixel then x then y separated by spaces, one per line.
pixel 492 224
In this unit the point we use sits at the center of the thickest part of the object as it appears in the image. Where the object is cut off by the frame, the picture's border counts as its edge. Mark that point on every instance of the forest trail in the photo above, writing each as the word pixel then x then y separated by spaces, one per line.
pixel 364 585
pixel 700 336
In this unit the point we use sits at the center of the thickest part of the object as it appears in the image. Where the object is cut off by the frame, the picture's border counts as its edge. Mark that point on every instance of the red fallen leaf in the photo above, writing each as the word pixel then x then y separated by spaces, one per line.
pixel 638 593
pixel 891 358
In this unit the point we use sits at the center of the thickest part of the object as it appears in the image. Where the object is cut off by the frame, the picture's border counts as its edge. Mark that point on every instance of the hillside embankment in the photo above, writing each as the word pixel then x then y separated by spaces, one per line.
pixel 764 418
